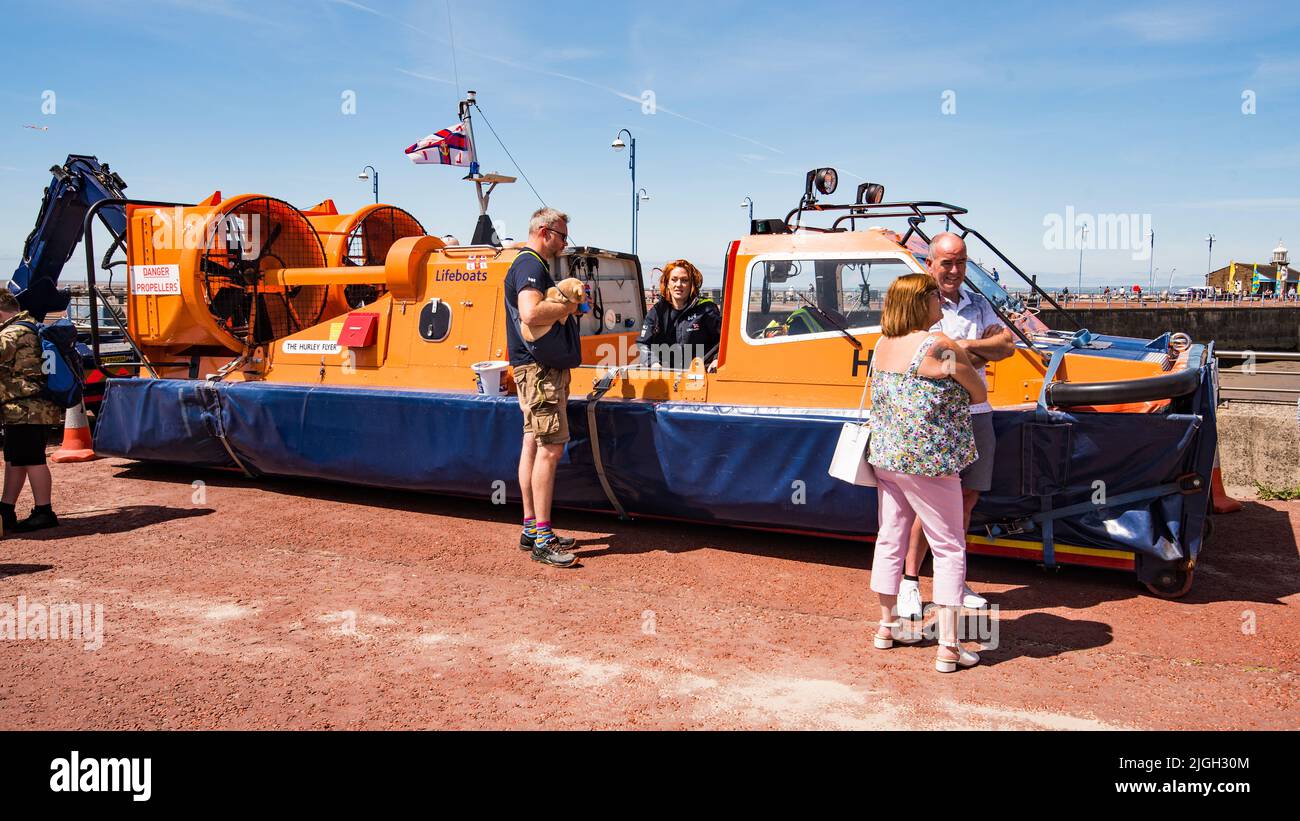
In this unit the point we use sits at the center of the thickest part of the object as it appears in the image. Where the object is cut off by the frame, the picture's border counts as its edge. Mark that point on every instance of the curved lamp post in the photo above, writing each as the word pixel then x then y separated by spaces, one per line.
pixel 364 176
pixel 619 145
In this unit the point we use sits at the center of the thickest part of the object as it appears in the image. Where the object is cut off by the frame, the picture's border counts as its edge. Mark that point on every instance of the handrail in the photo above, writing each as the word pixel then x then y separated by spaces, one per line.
pixel 121 324
pixel 940 209
pixel 89 237
pixel 915 222
pixel 916 211
pixel 1032 283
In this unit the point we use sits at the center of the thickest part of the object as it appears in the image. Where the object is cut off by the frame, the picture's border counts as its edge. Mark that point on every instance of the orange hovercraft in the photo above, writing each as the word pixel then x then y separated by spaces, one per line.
pixel 306 344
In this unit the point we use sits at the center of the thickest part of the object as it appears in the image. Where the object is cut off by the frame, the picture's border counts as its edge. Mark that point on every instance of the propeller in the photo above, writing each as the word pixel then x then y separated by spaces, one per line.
pixel 238 296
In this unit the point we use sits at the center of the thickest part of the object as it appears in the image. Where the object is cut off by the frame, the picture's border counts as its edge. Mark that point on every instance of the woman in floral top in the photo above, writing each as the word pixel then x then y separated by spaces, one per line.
pixel 921 437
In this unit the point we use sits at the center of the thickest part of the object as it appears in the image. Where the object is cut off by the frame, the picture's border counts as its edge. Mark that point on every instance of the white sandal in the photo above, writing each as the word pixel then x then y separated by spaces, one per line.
pixel 965 658
pixel 883 643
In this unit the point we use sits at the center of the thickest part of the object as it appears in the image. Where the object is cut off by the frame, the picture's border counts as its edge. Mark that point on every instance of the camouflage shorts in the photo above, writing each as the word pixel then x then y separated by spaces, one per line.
pixel 544 398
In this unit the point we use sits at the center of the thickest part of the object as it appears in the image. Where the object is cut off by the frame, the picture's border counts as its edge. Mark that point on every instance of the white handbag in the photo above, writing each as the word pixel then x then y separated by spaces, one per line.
pixel 849 464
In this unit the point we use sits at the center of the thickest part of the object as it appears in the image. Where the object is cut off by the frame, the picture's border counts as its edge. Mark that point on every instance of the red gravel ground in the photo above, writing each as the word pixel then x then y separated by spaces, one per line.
pixel 307 605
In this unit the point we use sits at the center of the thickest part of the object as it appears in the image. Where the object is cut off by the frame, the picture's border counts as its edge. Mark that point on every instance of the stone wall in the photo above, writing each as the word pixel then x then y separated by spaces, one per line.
pixel 1234 329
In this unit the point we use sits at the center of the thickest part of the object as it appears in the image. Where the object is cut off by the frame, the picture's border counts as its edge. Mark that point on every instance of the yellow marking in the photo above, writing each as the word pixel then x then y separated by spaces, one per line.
pixel 1060 548
pixel 336 328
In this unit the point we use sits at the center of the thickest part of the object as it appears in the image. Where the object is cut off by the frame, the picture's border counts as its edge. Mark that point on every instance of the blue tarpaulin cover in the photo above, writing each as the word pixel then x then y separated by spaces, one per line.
pixel 757 467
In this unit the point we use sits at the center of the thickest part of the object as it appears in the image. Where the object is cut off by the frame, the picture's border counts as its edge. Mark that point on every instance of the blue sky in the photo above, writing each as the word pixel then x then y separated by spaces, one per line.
pixel 1099 108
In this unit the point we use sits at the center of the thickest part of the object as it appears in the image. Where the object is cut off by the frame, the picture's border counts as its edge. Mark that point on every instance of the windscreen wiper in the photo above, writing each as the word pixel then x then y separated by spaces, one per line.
pixel 837 326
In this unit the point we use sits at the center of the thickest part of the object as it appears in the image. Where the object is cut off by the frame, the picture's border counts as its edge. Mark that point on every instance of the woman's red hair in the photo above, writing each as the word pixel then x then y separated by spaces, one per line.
pixel 697 279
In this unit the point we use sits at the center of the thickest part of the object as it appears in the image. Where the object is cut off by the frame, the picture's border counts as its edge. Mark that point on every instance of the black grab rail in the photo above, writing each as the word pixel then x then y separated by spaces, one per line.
pixel 89 238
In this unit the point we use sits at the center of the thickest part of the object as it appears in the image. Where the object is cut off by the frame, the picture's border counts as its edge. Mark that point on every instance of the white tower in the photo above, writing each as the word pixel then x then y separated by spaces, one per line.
pixel 1280 261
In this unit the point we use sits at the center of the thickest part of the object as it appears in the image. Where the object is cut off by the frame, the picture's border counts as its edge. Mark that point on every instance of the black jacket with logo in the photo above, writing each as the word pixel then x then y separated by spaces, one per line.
pixel 673 338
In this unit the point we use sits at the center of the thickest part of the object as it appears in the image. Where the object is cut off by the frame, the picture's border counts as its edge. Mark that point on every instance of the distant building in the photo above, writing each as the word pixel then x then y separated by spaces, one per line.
pixel 1257 277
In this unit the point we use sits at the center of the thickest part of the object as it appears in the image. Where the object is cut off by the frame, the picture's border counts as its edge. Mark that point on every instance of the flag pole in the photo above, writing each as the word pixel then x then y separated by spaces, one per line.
pixel 465 117
pixel 484 231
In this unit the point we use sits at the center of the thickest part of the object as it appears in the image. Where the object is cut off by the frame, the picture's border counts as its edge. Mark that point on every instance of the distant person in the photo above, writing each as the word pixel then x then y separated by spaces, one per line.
pixel 975 327
pixel 922 387
pixel 682 324
pixel 28 417
pixel 543 391
pixel 449 241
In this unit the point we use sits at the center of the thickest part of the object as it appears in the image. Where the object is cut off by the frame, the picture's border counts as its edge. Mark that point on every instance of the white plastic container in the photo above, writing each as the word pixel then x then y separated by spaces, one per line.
pixel 489 374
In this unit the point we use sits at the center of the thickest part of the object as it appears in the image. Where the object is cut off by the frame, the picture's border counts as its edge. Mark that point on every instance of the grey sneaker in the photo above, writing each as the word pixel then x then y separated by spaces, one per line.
pixel 526 541
pixel 547 551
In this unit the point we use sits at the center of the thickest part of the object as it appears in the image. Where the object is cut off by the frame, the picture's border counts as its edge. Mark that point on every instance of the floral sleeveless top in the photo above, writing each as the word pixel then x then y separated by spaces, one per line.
pixel 920 425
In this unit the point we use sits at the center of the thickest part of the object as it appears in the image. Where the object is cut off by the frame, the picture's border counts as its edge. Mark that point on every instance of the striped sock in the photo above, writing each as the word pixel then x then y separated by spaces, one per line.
pixel 543 532
pixel 530 527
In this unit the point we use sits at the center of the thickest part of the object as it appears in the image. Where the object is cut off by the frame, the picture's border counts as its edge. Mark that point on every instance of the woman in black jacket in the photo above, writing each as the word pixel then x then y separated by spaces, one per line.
pixel 681 326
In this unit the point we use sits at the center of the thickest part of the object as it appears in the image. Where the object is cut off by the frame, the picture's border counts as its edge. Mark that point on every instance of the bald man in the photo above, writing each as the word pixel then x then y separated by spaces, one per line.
pixel 970 321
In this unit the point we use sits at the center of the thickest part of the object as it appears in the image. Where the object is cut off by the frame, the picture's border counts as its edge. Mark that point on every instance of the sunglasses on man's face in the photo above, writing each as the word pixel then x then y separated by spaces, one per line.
pixel 563 237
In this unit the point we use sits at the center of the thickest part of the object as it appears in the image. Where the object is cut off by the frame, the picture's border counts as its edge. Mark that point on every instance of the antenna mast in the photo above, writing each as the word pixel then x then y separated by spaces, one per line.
pixel 484 232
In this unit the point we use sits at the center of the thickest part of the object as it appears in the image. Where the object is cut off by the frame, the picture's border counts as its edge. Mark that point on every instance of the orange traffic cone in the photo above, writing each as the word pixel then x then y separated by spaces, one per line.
pixel 1220 501
pixel 77 445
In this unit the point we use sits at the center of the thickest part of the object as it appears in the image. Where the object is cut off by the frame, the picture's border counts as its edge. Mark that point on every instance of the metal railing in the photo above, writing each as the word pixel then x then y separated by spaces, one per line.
pixel 1260 394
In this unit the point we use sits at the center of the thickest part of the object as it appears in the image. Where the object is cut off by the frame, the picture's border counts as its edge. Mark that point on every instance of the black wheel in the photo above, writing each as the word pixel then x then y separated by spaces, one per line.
pixel 1172 583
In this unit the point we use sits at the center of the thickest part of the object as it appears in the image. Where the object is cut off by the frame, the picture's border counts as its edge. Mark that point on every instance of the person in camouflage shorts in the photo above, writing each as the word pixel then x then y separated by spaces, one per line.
pixel 28 417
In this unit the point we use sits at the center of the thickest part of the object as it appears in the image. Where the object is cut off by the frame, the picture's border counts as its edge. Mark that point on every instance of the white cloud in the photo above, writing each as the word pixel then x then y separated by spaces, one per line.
pixel 1170 25
pixel 1278 70
pixel 660 109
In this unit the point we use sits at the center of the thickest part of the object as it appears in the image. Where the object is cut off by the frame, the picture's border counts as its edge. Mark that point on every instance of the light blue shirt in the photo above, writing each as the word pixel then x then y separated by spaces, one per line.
pixel 969 318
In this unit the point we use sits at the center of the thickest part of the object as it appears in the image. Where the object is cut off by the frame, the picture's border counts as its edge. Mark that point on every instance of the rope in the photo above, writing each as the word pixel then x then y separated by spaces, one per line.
pixel 508 154
pixel 455 72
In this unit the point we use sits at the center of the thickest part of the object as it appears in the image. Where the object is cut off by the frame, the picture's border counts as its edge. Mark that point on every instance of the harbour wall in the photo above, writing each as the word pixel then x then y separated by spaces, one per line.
pixel 1259 444
pixel 1254 328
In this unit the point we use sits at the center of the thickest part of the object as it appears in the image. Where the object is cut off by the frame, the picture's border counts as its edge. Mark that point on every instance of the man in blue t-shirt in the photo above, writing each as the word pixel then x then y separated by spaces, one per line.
pixel 543 391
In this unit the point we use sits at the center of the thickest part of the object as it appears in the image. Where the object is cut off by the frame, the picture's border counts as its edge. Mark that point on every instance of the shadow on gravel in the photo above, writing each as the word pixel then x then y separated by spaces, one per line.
pixel 7 570
pixel 111 520
pixel 1251 556
pixel 1044 635
pixel 460 507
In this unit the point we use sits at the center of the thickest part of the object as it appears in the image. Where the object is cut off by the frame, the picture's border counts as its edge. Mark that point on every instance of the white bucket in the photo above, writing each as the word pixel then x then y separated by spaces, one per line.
pixel 490 382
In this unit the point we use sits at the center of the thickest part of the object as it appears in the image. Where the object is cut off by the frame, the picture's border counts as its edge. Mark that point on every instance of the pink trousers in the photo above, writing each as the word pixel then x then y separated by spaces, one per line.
pixel 937 500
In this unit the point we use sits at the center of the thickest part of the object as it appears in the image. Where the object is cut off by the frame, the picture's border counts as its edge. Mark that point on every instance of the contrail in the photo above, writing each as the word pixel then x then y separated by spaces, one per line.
pixel 557 74
pixel 419 76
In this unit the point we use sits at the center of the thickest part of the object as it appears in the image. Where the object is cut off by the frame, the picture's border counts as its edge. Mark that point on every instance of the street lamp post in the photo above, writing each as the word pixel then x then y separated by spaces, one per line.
pixel 619 145
pixel 748 203
pixel 1209 259
pixel 1171 279
pixel 364 176
pixel 1083 236
pixel 1151 232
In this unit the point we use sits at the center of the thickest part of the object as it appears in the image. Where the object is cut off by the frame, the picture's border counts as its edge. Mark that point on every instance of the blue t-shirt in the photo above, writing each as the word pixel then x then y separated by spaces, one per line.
pixel 527 271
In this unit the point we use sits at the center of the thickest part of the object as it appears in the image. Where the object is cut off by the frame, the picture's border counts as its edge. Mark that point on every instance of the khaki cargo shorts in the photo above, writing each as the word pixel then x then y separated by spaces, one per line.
pixel 544 398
